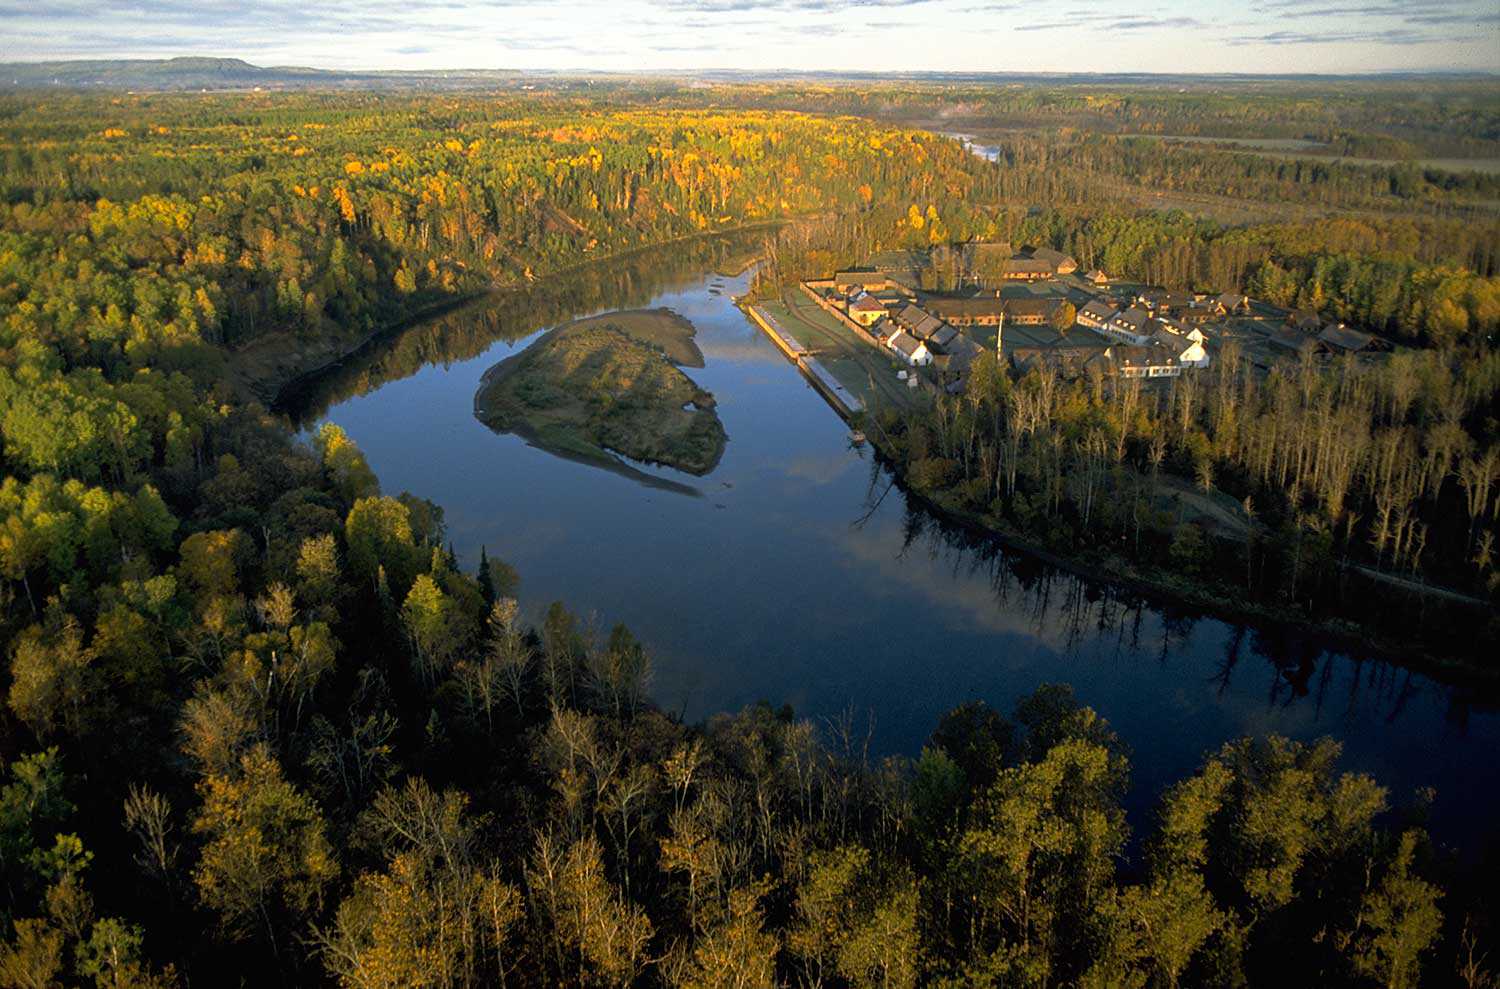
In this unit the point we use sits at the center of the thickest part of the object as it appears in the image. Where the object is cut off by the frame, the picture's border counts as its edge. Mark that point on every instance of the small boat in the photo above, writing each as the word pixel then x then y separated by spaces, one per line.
pixel 857 438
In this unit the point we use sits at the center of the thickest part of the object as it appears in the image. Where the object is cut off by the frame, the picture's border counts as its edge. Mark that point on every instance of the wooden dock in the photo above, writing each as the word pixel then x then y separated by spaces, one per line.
pixel 824 383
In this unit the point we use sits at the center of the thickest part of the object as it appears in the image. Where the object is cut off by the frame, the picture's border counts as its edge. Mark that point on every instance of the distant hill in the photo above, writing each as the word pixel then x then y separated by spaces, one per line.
pixel 189 73
pixel 227 73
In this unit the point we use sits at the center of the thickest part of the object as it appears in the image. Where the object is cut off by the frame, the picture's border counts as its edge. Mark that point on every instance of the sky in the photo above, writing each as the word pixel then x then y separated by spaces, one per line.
pixel 1191 36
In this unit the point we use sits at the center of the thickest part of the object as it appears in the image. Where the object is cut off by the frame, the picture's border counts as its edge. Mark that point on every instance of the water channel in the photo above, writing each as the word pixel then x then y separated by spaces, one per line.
pixel 796 572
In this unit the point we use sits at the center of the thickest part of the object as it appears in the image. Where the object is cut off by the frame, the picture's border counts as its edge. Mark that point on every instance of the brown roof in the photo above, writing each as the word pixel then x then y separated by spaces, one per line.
pixel 1069 361
pixel 905 343
pixel 1056 258
pixel 918 321
pixel 949 307
pixel 1341 337
pixel 1293 339
pixel 860 278
pixel 1100 309
pixel 867 303
pixel 1304 319
pixel 1148 356
pixel 942 336
pixel 1021 266
pixel 1033 307
pixel 1097 276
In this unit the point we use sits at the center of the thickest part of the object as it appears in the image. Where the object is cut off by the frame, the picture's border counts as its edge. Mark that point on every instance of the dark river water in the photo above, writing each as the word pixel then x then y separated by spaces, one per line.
pixel 797 574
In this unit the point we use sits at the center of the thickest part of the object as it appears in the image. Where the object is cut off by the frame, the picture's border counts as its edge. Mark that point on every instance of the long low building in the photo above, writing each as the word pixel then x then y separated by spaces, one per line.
pixel 990 310
pixel 1035 312
pixel 984 310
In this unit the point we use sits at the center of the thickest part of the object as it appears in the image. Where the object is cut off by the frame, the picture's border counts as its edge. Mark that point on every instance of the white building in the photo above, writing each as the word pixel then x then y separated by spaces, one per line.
pixel 1129 327
pixel 910 349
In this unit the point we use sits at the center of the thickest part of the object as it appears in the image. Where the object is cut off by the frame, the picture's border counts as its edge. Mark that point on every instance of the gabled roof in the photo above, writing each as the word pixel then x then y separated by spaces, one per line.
pixel 1021 266
pixel 906 344
pixel 1054 258
pixel 1135 318
pixel 1232 300
pixel 1147 356
pixel 943 336
pixel 949 307
pixel 860 277
pixel 867 303
pixel 1342 337
pixel 1097 275
pixel 1033 307
pixel 1293 339
pixel 1068 361
pixel 1304 319
pixel 1101 309
pixel 962 346
pixel 918 321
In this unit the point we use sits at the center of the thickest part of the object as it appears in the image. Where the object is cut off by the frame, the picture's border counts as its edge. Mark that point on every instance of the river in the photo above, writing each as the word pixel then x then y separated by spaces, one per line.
pixel 798 574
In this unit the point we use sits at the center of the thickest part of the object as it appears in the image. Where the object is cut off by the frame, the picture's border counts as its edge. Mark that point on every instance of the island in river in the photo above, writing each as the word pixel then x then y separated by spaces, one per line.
pixel 606 387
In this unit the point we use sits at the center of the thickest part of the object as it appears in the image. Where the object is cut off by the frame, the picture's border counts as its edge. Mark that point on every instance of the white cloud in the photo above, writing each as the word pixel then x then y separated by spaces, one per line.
pixel 878 35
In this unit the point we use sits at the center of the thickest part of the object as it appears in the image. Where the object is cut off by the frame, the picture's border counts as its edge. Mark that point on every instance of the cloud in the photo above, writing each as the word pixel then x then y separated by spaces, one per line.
pixel 1115 22
pixel 1394 36
pixel 840 35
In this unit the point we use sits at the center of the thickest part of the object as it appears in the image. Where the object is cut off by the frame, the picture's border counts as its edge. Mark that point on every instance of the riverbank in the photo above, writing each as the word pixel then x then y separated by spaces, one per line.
pixel 272 365
pixel 1165 587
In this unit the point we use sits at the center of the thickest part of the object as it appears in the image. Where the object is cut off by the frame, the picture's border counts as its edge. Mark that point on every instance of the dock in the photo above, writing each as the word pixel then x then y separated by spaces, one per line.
pixel 824 383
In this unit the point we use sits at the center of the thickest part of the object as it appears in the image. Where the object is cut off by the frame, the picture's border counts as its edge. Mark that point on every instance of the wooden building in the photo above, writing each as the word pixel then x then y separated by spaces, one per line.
pixel 979 311
pixel 1062 264
pixel 866 310
pixel 1027 270
pixel 847 282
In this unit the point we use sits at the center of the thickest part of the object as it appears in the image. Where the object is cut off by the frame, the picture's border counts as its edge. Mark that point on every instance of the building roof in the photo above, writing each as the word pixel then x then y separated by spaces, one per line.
pixel 1099 309
pixel 860 277
pixel 993 247
pixel 1342 337
pixel 1232 300
pixel 1056 258
pixel 1029 266
pixel 918 321
pixel 1293 339
pixel 1067 361
pixel 1304 319
pixel 867 303
pixel 964 346
pixel 1133 318
pixel 943 336
pixel 906 344
pixel 1097 275
pixel 1147 356
pixel 949 308
pixel 1033 307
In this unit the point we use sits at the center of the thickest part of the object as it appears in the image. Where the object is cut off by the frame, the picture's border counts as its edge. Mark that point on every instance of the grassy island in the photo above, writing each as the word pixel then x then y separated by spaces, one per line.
pixel 607 385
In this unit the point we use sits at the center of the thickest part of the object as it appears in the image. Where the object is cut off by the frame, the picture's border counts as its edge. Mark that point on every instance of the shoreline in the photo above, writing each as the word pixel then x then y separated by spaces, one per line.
pixel 271 391
pixel 1341 635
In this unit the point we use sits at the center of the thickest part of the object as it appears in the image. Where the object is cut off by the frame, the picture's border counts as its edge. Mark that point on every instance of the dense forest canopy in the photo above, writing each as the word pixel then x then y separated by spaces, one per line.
pixel 259 727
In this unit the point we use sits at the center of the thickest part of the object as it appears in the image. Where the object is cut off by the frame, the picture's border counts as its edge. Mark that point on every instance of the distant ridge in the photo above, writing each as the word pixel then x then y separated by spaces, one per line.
pixel 194 72
pixel 200 72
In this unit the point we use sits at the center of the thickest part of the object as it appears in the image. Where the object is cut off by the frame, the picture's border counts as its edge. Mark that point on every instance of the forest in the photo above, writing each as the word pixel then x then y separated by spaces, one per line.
pixel 260 728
